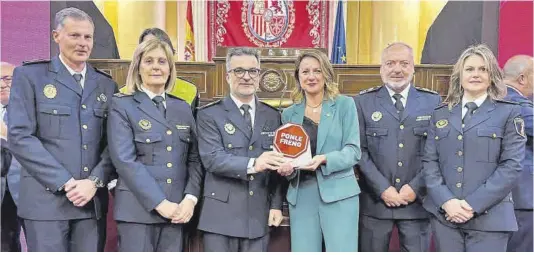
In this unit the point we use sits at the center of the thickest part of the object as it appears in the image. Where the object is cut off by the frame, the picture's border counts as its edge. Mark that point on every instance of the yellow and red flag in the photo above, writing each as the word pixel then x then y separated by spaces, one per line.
pixel 189 53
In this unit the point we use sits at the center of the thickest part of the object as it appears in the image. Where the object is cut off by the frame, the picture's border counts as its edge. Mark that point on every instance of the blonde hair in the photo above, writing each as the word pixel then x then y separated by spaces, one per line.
pixel 331 89
pixel 496 90
pixel 133 81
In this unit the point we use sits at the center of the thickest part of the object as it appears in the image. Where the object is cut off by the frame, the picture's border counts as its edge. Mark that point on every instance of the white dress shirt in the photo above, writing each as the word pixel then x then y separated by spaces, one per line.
pixel 250 165
pixel 478 101
pixel 404 94
pixel 72 72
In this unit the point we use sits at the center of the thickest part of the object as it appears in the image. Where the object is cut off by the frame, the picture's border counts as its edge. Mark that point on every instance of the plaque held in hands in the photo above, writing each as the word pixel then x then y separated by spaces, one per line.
pixel 293 141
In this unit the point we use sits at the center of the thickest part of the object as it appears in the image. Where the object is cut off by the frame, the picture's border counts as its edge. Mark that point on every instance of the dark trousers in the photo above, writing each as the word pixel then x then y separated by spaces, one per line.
pixel 138 237
pixel 10 225
pixel 82 235
pixel 221 243
pixel 463 240
pixel 375 234
pixel 521 240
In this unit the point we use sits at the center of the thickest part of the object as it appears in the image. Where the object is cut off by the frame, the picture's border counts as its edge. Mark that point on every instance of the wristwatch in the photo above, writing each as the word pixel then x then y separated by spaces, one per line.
pixel 97 181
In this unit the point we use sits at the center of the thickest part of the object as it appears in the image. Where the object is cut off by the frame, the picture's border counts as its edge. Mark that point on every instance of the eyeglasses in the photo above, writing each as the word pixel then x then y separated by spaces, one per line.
pixel 240 72
pixel 7 79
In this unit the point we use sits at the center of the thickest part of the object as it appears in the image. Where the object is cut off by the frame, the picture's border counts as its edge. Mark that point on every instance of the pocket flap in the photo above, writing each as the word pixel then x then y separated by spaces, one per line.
pixel 490 132
pixel 54 109
pixel 185 136
pixel 221 195
pixel 420 131
pixel 148 138
pixel 376 131
pixel 101 113
pixel 442 132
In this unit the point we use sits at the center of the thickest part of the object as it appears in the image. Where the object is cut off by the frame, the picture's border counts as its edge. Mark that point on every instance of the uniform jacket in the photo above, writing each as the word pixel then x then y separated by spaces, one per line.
pixel 236 203
pixel 338 139
pixel 479 163
pixel 522 192
pixel 392 148
pixel 156 157
pixel 57 131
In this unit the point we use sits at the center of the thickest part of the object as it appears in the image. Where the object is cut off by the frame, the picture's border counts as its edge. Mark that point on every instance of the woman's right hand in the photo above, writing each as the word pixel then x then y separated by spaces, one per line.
pixel 286 169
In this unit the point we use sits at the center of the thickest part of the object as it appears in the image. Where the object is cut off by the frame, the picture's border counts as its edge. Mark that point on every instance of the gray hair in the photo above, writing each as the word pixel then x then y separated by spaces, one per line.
pixel 516 66
pixel 72 13
pixel 241 52
pixel 397 44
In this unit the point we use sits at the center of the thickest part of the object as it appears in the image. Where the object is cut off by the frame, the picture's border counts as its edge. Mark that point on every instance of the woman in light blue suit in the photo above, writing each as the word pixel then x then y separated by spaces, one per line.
pixel 323 196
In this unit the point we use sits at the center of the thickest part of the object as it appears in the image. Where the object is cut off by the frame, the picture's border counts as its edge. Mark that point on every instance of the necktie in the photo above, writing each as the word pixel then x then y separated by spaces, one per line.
pixel 246 115
pixel 471 107
pixel 78 77
pixel 158 100
pixel 398 103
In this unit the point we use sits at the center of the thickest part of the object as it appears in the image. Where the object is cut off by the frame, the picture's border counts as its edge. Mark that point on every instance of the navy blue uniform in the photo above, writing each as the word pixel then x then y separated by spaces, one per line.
pixel 392 147
pixel 479 163
pixel 521 240
pixel 156 158
pixel 236 204
pixel 57 132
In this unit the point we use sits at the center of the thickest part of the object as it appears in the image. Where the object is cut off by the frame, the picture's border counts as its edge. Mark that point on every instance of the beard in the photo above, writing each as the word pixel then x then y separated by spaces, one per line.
pixel 398 85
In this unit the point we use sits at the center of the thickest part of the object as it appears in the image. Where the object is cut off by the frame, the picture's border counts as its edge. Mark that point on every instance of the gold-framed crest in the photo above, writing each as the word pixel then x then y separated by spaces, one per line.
pixel 442 123
pixel 229 128
pixel 376 116
pixel 145 124
pixel 50 91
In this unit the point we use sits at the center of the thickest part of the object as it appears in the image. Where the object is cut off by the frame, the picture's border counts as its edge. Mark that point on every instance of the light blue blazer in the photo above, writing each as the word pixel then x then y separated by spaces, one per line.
pixel 338 138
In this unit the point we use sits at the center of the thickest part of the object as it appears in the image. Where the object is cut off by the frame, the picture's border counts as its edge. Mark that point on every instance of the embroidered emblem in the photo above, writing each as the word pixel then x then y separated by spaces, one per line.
pixel 268 23
pixel 519 124
pixel 145 124
pixel 376 116
pixel 103 98
pixel 442 123
pixel 50 91
pixel 229 128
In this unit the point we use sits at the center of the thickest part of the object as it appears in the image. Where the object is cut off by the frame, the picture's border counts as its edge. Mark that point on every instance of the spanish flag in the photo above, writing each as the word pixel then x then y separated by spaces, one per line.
pixel 189 53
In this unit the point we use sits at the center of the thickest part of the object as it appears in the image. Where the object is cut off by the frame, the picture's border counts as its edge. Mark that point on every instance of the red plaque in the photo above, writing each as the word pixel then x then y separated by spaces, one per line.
pixel 291 140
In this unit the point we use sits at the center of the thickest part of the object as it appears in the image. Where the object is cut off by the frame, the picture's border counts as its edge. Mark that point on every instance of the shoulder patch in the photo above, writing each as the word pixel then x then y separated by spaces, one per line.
pixel 506 101
pixel 36 61
pixel 427 90
pixel 209 104
pixel 120 94
pixel 173 96
pixel 268 105
pixel 370 90
pixel 103 73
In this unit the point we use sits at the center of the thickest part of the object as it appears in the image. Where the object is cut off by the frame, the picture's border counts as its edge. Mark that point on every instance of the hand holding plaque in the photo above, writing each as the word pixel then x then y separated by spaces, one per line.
pixel 294 143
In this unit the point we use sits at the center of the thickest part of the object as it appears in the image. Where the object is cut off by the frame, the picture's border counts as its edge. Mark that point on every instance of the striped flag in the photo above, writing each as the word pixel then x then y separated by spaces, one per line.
pixel 189 52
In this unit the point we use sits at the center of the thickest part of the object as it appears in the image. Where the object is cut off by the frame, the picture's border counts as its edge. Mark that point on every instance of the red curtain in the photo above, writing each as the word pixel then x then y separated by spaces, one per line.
pixel 515 29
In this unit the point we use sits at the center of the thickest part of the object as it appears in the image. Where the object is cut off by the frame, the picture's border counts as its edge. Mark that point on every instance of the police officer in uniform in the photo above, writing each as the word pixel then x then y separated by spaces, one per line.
pixel 56 130
pixel 153 146
pixel 242 195
pixel 394 120
pixel 473 158
pixel 518 77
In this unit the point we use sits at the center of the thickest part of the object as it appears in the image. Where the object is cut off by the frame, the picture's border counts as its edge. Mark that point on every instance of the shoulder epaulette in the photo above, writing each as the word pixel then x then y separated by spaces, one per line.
pixel 370 90
pixel 426 90
pixel 120 94
pixel 35 61
pixel 210 104
pixel 270 106
pixel 506 101
pixel 441 105
pixel 173 96
pixel 102 72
